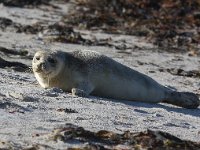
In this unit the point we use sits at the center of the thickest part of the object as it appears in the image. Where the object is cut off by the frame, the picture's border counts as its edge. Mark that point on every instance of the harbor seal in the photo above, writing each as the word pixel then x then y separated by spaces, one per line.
pixel 88 72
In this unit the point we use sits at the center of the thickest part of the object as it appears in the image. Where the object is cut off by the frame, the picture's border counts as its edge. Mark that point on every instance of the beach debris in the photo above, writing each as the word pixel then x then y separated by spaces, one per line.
pixel 104 139
pixel 169 28
pixel 22 3
pixel 181 72
pixel 67 110
pixel 17 66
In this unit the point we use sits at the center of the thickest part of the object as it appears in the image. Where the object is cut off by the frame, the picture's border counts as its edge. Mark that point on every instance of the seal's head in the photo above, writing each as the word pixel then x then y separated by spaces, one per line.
pixel 47 65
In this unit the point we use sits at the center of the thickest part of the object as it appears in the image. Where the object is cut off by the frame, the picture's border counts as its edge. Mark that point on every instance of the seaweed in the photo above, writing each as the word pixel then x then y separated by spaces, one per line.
pixel 166 23
pixel 104 139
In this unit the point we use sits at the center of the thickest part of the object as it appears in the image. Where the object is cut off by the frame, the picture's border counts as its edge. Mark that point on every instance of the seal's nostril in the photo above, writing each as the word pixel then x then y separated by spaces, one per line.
pixel 43 66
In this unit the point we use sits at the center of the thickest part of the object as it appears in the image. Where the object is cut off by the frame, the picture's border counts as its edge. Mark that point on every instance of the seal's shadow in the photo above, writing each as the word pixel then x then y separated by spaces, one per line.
pixel 168 107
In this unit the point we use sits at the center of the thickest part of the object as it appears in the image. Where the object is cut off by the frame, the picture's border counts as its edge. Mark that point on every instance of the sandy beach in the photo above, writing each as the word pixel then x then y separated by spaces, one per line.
pixel 30 114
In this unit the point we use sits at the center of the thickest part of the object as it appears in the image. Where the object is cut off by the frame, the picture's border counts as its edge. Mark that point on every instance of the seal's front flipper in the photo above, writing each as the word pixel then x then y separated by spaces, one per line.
pixel 79 92
pixel 183 99
pixel 83 89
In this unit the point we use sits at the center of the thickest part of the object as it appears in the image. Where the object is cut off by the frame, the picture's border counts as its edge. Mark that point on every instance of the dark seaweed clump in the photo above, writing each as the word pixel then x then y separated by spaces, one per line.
pixel 166 23
pixel 23 3
pixel 109 140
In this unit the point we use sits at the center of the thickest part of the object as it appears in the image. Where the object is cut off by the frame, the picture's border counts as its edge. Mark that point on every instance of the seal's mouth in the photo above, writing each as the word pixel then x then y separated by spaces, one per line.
pixel 38 70
pixel 42 71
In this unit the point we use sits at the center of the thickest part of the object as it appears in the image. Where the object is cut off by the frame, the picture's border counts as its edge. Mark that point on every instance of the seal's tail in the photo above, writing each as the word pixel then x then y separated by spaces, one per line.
pixel 183 99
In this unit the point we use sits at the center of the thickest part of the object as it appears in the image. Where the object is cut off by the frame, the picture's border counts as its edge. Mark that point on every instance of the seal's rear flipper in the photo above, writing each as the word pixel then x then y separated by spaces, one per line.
pixel 183 99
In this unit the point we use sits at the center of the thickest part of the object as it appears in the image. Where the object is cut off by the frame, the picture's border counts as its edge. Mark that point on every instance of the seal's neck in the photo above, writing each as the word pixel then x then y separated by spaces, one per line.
pixel 43 80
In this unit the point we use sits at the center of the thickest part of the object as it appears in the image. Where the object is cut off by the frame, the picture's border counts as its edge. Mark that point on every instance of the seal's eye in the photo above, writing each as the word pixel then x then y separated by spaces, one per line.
pixel 37 58
pixel 51 60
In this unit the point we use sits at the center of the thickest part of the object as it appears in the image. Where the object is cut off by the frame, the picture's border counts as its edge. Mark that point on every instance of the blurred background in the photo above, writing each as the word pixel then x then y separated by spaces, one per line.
pixel 172 25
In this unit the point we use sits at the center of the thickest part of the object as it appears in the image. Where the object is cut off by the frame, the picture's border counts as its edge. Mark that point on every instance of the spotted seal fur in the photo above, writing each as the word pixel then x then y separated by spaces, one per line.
pixel 88 72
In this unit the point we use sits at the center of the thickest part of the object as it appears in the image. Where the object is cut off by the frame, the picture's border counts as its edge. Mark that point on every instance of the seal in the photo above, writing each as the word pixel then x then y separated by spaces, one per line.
pixel 90 73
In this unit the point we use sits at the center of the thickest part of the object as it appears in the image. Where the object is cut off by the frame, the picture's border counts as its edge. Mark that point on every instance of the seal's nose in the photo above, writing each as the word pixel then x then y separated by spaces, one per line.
pixel 41 66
